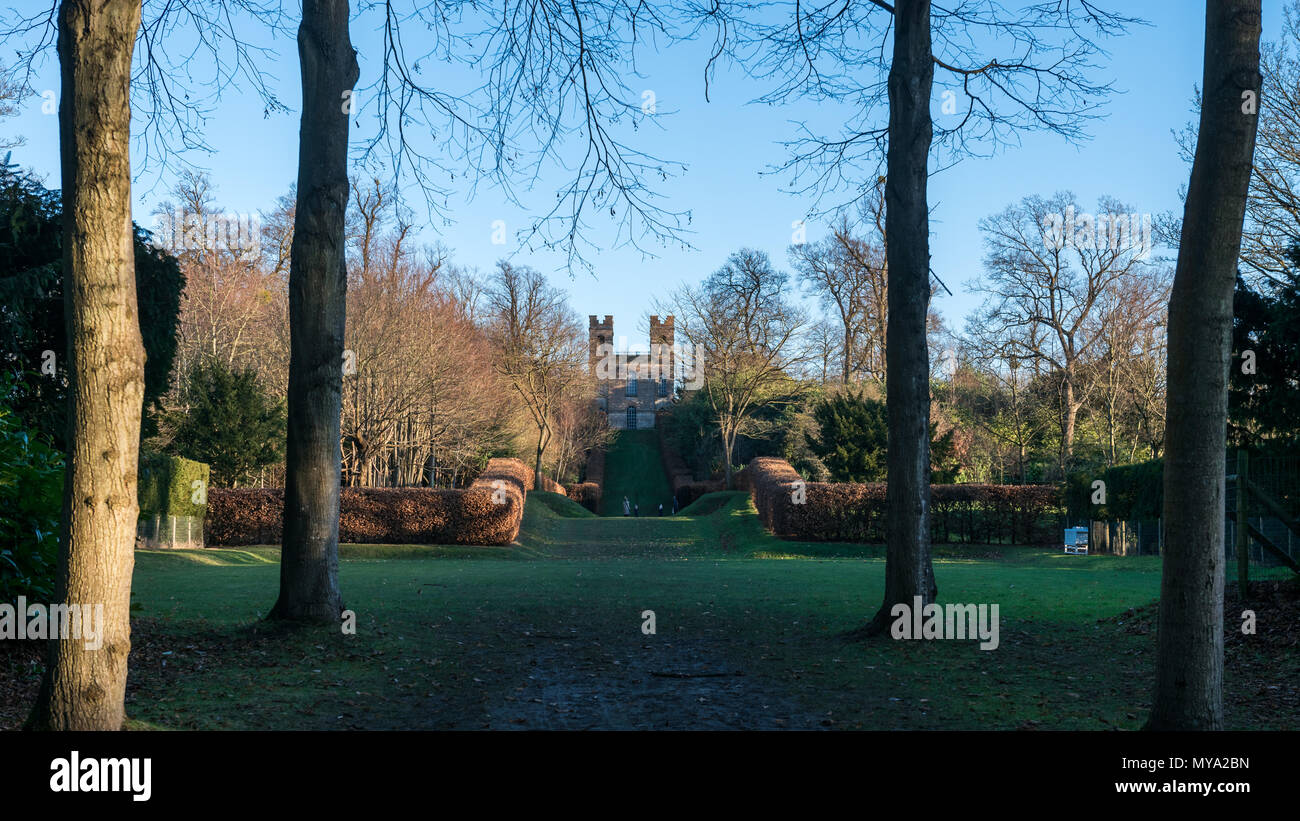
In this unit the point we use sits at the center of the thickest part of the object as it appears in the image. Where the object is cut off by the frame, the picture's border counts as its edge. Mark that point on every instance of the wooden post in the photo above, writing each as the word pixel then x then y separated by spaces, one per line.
pixel 1243 530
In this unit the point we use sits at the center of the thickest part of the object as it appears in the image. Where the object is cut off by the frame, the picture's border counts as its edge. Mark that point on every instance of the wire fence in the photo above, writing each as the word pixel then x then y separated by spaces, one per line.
pixel 1273 478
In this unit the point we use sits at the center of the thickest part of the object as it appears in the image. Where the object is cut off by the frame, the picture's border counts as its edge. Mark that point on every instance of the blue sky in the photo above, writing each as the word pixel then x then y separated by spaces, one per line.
pixel 724 144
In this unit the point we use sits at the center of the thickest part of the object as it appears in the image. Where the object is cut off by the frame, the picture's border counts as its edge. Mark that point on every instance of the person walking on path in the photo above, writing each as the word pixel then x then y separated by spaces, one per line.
pixel 661 508
pixel 627 507
pixel 674 504
pixel 636 510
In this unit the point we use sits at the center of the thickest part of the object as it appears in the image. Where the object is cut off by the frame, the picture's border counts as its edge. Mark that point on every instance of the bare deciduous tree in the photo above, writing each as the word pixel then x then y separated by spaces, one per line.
pixel 83 688
pixel 422 402
pixel 227 291
pixel 309 587
pixel 746 339
pixel 1048 289
pixel 538 346
pixel 12 91
pixel 839 51
pixel 847 273
pixel 1189 660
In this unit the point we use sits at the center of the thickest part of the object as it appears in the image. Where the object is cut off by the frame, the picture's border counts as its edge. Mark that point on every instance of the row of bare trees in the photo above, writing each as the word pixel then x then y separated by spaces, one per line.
pixel 429 349
pixel 879 54
pixel 1015 71
pixel 96 43
pixel 1074 326
pixel 1069 340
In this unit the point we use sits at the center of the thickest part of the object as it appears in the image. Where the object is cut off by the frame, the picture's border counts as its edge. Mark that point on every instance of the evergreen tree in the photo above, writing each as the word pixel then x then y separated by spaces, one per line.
pixel 854 433
pixel 1264 385
pixel 231 423
pixel 32 308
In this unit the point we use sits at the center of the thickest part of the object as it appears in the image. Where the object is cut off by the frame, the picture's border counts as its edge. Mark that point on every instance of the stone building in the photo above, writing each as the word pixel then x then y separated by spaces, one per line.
pixel 631 386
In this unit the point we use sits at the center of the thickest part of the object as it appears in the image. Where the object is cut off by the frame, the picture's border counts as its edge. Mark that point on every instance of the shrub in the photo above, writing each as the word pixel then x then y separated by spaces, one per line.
pixel 586 494
pixel 488 512
pixel 1132 492
pixel 173 501
pixel 32 322
pixel 167 485
pixel 853 436
pixel 31 501
pixel 855 512
pixel 230 422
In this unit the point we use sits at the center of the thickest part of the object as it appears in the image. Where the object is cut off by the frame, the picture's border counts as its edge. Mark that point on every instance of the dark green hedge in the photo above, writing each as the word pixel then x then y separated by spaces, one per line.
pixel 1132 492
pixel 166 485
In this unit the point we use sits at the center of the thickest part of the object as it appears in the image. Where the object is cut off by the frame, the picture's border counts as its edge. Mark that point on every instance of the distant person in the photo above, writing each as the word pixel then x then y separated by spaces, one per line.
pixel 674 504
pixel 627 507
pixel 661 508
pixel 636 510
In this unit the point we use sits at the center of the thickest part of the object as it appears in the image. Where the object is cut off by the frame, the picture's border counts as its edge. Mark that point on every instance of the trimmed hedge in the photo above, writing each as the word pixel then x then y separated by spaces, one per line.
pixel 172 507
pixel 1132 492
pixel 166 485
pixel 488 512
pixel 855 512
pixel 243 516
pixel 588 492
pixel 595 471
pixel 550 485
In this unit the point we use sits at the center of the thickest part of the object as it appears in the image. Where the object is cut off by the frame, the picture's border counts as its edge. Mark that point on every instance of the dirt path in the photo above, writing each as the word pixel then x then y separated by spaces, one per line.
pixel 654 684
pixel 587 675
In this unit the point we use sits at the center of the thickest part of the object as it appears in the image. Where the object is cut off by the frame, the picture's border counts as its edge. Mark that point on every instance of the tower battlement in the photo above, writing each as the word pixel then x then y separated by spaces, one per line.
pixel 632 386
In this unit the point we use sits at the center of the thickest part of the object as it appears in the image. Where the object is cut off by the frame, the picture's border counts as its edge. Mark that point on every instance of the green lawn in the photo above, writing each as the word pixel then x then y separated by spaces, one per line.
pixel 548 634
pixel 633 469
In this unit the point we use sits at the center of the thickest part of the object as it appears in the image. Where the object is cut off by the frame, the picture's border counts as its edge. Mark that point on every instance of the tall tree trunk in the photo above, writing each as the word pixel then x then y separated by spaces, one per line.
pixel 848 351
pixel 728 448
pixel 1069 416
pixel 309 588
pixel 908 572
pixel 83 688
pixel 537 464
pixel 1189 660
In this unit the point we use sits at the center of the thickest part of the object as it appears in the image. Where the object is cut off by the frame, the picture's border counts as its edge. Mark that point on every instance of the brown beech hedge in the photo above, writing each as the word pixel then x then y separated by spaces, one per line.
pixel 855 512
pixel 588 492
pixel 488 512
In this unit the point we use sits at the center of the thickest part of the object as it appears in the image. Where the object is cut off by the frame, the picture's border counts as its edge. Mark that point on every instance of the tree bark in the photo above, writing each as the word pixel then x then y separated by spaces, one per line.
pixel 83 688
pixel 1189 660
pixel 908 571
pixel 848 348
pixel 537 463
pixel 309 588
pixel 728 448
pixel 1069 417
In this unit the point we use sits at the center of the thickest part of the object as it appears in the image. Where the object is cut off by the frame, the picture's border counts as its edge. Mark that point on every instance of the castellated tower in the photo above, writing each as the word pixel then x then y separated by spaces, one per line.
pixel 661 348
pixel 598 334
pixel 631 387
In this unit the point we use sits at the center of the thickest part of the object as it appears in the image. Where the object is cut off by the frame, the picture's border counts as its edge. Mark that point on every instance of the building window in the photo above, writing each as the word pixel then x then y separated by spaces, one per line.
pixel 631 417
pixel 663 387
pixel 631 388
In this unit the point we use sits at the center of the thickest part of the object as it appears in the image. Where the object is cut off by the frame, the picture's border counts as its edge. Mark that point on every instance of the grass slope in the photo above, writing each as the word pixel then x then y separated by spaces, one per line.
pixel 633 469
